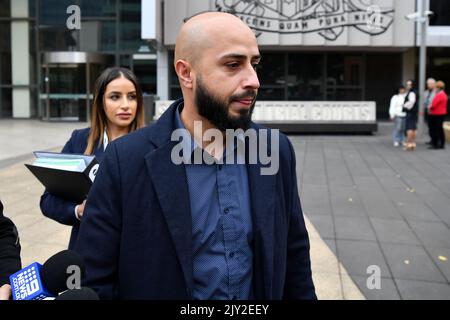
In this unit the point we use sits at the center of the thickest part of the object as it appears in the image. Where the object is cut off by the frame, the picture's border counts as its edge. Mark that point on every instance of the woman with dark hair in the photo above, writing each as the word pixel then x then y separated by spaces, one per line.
pixel 117 110
pixel 411 109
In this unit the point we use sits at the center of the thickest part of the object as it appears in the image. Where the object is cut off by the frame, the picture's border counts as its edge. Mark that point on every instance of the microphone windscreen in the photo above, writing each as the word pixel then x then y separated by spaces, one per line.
pixel 78 294
pixel 54 272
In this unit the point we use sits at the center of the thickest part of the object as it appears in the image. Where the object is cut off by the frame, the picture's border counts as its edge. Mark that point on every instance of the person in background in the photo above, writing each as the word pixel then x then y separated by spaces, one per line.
pixel 10 261
pixel 436 117
pixel 429 96
pixel 117 110
pixel 398 116
pixel 411 109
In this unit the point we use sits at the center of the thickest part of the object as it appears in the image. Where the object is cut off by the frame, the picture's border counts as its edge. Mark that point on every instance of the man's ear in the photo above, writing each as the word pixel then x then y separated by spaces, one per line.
pixel 184 72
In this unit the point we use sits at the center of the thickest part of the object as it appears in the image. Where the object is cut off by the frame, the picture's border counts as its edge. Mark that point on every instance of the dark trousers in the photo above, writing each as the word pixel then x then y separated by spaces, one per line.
pixel 437 130
pixel 426 116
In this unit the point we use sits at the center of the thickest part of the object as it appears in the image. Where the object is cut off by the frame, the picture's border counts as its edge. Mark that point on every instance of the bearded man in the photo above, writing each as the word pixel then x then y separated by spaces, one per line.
pixel 156 229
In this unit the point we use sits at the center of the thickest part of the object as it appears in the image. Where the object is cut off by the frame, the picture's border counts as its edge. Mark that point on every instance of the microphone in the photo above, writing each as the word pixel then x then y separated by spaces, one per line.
pixel 78 294
pixel 38 282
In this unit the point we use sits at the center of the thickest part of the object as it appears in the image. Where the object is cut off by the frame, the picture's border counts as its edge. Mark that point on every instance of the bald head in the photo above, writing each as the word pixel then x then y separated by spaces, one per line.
pixel 204 31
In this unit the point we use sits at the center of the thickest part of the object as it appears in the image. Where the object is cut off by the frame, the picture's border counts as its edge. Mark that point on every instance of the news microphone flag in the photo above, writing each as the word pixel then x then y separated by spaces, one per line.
pixel 26 284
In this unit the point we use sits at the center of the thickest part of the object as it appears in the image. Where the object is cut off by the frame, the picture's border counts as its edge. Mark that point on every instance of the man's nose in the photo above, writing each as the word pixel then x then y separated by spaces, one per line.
pixel 251 80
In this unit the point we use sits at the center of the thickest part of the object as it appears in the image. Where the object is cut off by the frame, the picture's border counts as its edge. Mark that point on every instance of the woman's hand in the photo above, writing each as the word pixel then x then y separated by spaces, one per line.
pixel 80 209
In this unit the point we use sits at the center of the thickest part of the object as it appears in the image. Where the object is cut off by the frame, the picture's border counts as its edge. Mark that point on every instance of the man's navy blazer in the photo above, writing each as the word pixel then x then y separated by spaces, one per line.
pixel 136 232
pixel 57 208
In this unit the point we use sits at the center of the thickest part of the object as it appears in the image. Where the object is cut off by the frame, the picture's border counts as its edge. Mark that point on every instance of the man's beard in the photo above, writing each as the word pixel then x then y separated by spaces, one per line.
pixel 217 111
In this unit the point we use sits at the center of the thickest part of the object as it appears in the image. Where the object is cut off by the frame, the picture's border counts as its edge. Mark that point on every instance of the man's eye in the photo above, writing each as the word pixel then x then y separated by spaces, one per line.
pixel 233 65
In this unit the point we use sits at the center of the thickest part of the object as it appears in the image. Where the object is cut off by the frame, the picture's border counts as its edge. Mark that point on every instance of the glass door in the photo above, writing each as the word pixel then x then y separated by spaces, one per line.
pixel 65 96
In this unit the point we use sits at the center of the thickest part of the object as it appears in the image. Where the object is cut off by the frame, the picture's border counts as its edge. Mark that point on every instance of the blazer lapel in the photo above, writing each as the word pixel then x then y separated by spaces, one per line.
pixel 262 197
pixel 171 187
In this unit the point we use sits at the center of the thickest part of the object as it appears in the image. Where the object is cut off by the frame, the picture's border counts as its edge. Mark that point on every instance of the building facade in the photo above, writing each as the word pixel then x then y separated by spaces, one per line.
pixel 313 50
pixel 340 50
pixel 51 52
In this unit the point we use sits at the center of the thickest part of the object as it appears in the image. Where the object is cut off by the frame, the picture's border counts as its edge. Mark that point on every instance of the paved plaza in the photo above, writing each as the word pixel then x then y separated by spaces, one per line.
pixel 366 204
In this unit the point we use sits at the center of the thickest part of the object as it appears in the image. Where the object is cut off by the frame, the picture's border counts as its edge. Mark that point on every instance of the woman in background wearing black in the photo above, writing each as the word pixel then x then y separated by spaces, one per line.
pixel 411 109
pixel 117 110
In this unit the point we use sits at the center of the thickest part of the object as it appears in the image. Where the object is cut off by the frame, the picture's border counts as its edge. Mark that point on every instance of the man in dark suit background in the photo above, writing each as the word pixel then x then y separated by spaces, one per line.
pixel 9 254
pixel 155 229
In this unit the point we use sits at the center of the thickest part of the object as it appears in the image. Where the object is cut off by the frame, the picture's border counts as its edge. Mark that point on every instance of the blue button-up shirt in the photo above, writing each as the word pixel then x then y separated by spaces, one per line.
pixel 221 227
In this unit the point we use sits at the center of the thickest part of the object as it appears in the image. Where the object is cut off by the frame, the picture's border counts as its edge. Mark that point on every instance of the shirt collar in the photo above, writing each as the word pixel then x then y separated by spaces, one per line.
pixel 189 142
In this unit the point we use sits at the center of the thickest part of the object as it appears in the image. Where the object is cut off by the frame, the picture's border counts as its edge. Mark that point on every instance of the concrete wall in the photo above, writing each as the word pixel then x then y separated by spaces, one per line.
pixel 333 23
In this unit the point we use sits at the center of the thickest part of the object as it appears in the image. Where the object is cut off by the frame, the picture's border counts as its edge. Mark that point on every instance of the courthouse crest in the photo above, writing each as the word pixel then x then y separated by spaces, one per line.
pixel 328 18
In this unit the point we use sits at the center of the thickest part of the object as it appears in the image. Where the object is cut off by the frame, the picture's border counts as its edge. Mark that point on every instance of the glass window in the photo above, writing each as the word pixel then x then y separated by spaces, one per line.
pixel 67 78
pixel 5 102
pixel 94 35
pixel 145 71
pixel 68 109
pixel 173 78
pixel 53 38
pixel 441 11
pixel 5 53
pixel 439 60
pixel 5 36
pixel 344 94
pixel 125 61
pixel 5 68
pixel 97 36
pixel 31 8
pixel 271 94
pixel 53 12
pixel 130 36
pixel 5 8
pixel 271 69
pixel 34 103
pixel 175 93
pixel 174 85
pixel 344 69
pixel 98 8
pixel 130 25
pixel 305 77
pixel 379 86
pixel 32 33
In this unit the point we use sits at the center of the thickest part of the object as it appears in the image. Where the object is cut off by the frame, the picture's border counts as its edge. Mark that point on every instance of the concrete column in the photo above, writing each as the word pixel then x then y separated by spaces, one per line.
pixel 162 74
pixel 20 64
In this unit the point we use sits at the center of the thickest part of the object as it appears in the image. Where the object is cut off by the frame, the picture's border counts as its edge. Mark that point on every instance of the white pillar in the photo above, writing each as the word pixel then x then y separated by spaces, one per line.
pixel 20 64
pixel 162 74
